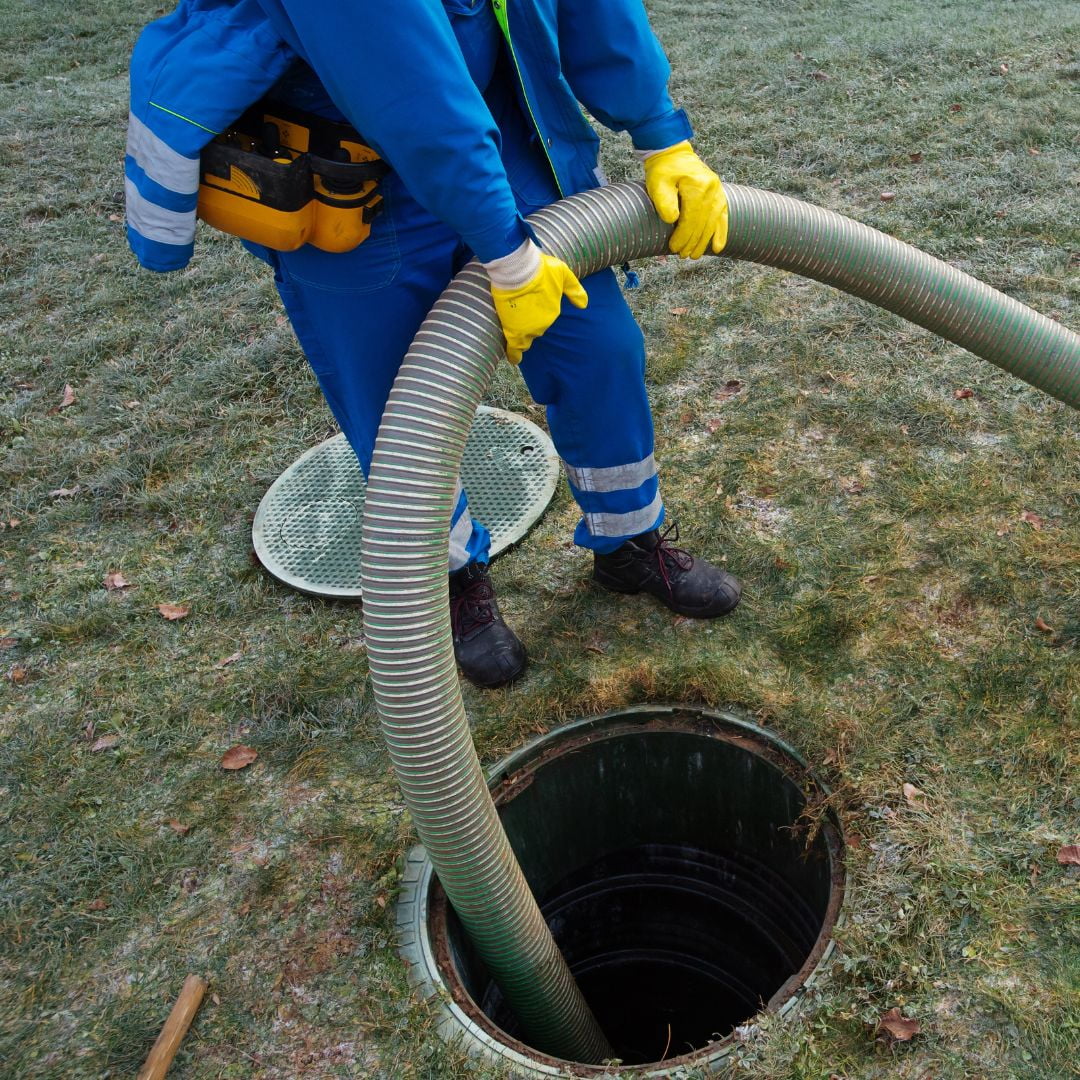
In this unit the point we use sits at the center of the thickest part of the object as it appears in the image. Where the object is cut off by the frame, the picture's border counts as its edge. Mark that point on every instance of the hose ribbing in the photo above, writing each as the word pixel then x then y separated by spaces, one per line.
pixel 779 231
pixel 410 499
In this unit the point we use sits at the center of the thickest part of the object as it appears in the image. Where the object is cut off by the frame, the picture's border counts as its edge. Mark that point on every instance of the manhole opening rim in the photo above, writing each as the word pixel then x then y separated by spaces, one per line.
pixel 507 778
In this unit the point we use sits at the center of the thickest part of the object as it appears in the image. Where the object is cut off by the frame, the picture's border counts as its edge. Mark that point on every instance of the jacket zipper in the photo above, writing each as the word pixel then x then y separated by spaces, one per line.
pixel 503 19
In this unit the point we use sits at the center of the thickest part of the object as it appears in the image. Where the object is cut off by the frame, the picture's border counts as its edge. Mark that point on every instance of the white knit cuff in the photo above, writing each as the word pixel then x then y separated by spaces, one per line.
pixel 516 269
pixel 644 155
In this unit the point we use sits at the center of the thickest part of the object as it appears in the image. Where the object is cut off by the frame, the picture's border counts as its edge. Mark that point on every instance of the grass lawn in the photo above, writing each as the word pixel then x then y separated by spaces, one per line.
pixel 911 559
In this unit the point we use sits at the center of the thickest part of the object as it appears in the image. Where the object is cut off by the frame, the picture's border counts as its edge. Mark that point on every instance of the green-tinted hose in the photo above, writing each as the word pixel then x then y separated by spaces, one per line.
pixel 783 232
pixel 410 499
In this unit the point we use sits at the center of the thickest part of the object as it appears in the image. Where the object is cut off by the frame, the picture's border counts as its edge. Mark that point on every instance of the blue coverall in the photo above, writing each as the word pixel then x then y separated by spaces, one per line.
pixel 432 86
pixel 356 313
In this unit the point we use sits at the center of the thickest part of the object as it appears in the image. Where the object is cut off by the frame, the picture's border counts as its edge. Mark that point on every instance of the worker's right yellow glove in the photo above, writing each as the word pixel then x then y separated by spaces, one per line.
pixel 528 309
pixel 685 190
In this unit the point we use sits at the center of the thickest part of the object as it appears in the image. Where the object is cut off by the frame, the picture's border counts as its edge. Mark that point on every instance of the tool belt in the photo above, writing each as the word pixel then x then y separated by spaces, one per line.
pixel 283 178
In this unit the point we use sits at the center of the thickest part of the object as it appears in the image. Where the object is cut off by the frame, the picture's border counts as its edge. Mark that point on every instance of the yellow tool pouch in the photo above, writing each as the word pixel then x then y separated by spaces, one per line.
pixel 284 178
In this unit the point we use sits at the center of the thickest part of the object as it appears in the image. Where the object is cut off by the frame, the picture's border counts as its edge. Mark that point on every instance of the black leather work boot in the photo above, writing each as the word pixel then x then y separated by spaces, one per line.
pixel 487 650
pixel 650 563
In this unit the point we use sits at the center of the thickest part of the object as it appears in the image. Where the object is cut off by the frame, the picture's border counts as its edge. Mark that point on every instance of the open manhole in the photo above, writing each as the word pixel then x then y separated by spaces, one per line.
pixel 687 867
pixel 307 528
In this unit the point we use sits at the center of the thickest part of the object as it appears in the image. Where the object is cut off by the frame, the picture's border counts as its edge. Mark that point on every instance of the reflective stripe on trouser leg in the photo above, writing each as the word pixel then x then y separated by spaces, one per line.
pixel 469 540
pixel 617 501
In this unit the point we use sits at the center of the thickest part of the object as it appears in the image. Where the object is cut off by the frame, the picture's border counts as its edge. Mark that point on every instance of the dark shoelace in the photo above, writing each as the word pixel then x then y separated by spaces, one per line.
pixel 471 607
pixel 669 557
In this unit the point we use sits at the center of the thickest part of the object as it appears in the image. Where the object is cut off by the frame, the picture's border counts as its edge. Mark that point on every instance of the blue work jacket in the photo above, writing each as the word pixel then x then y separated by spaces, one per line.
pixel 397 74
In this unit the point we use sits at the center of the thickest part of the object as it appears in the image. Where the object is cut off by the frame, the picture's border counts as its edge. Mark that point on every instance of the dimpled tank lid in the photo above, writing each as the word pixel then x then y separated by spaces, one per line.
pixel 307 528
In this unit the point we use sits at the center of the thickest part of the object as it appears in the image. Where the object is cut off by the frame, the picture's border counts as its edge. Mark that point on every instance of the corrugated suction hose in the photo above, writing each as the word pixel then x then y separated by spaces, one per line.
pixel 410 499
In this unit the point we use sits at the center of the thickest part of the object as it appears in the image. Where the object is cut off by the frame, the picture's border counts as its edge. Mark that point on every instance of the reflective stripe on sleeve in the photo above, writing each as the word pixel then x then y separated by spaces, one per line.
pixel 163 164
pixel 156 223
pixel 614 478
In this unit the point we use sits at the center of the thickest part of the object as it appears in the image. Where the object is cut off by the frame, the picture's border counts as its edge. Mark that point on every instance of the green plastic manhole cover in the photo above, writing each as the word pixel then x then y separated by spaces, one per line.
pixel 307 528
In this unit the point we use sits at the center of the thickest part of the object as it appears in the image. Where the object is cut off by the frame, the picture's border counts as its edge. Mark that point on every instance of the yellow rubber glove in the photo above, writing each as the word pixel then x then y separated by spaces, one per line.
pixel 528 310
pixel 684 189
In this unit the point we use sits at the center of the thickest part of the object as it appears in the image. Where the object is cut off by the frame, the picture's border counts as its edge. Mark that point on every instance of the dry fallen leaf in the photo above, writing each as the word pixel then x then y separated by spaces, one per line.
pixel 178 827
pixel 69 396
pixel 64 493
pixel 821 76
pixel 955 107
pixel 98 904
pixel 230 659
pixel 1069 855
pixel 913 795
pixel 887 196
pixel 597 644
pixel 679 310
pixel 897 1027
pixel 18 674
pixel 238 757
pixel 713 426
pixel 174 611
pixel 731 388
pixel 1045 627
pixel 1003 69
pixel 8 642
pixel 106 742
pixel 963 392
pixel 915 158
pixel 116 581
pixel 1032 519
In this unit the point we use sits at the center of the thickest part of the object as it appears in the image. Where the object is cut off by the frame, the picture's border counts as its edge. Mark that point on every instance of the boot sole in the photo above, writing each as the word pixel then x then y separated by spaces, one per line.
pixel 509 681
pixel 690 613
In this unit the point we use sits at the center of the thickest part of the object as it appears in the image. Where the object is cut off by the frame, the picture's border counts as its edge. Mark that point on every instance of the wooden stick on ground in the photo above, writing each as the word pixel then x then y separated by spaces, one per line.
pixel 168 1042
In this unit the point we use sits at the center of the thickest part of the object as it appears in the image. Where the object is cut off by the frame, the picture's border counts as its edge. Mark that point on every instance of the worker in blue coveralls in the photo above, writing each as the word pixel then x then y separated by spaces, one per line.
pixel 474 105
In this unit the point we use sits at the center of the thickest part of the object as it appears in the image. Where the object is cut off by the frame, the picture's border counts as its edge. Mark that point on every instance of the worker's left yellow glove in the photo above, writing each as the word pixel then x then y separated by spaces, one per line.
pixel 685 190
pixel 527 309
